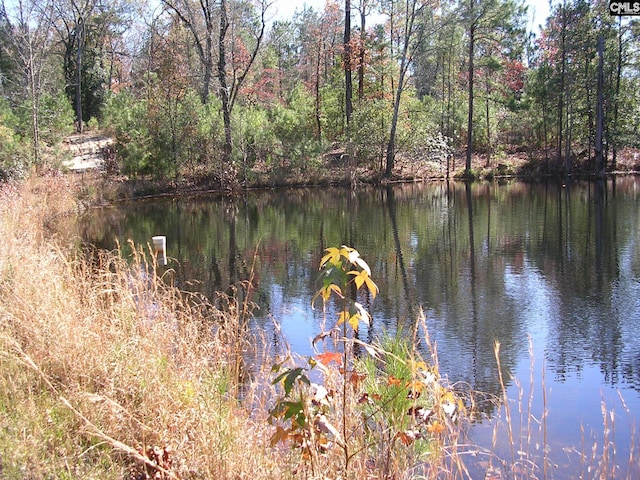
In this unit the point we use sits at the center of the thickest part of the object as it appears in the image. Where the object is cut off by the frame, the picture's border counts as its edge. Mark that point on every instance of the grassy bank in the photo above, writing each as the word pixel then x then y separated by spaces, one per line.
pixel 107 371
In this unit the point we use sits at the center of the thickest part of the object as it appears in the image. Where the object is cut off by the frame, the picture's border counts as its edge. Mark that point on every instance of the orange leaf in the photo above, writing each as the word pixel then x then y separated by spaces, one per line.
pixel 416 386
pixel 409 436
pixel 357 377
pixel 436 427
pixel 327 357
pixel 393 381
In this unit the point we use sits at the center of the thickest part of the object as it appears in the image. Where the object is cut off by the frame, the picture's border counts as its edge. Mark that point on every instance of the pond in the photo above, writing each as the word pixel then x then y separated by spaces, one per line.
pixel 550 270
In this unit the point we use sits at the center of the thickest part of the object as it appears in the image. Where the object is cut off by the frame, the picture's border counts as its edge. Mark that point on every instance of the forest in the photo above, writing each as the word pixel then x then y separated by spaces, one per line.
pixel 225 93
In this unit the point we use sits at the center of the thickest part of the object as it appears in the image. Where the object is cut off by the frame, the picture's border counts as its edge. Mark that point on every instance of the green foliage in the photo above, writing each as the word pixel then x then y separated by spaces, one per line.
pixel 127 117
pixel 420 135
pixel 333 105
pixel 164 136
pixel 370 127
pixel 404 396
pixel 276 137
pixel 56 116
pixel 293 126
pixel 14 157
pixel 94 79
pixel 256 139
pixel 174 129
pixel 629 121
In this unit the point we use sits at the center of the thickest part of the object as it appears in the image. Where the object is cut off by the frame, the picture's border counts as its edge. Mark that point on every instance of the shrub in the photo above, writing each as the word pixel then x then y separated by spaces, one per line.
pixel 14 156
pixel 128 119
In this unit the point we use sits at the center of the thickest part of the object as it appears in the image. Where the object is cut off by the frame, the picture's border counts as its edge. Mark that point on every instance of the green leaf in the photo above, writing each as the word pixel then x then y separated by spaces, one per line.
pixel 289 378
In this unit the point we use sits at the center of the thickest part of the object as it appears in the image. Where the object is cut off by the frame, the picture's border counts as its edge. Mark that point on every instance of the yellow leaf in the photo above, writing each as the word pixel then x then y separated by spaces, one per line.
pixel 417 367
pixel 332 256
pixel 325 293
pixel 358 277
pixel 373 288
pixel 335 288
pixel 354 321
pixel 343 317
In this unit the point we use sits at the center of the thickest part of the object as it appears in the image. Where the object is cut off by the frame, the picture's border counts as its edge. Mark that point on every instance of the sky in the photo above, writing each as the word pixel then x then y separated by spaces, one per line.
pixel 284 9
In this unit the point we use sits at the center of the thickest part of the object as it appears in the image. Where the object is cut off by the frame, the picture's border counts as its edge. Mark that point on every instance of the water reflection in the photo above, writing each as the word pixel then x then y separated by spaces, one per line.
pixel 557 263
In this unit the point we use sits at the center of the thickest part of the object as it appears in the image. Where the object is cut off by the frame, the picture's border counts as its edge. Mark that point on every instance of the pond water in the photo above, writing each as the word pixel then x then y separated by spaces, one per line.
pixel 549 270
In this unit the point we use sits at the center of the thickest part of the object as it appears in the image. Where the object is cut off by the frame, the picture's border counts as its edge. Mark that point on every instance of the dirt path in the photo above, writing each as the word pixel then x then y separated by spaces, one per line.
pixel 88 151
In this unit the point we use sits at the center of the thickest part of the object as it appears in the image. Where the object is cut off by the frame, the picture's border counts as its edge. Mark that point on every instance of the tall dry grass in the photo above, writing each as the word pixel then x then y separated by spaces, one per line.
pixel 106 371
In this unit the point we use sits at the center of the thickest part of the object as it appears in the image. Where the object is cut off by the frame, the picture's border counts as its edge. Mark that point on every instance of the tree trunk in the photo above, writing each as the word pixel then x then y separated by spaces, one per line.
pixel 80 33
pixel 561 91
pixel 404 63
pixel 616 102
pixel 488 118
pixel 467 167
pixel 316 87
pixel 600 163
pixel 391 146
pixel 348 84
pixel 568 166
pixel 363 38
pixel 224 89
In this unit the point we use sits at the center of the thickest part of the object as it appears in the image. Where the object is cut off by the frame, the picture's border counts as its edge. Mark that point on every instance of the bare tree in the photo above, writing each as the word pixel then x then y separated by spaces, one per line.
pixel 364 9
pixel 71 24
pixel 30 46
pixel 201 23
pixel 231 80
pixel 408 34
